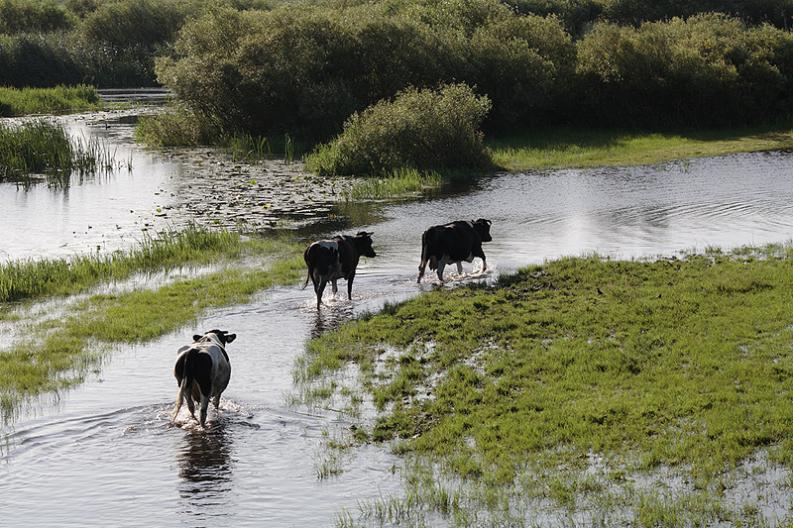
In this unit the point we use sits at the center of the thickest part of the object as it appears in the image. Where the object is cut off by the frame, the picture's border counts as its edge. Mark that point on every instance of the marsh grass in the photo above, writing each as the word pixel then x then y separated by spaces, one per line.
pixel 555 148
pixel 251 148
pixel 41 147
pixel 57 354
pixel 396 183
pixel 57 100
pixel 680 364
pixel 31 279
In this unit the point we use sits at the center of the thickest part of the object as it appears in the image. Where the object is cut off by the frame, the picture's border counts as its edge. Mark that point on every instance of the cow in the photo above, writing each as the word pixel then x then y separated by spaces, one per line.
pixel 203 371
pixel 453 243
pixel 336 258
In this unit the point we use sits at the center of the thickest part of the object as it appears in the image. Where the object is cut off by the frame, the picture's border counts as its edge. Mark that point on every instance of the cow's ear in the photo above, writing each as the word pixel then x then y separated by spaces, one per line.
pixel 230 338
pixel 196 337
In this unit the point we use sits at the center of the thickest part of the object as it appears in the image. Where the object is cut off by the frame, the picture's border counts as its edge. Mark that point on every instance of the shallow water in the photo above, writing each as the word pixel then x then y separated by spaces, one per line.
pixel 106 453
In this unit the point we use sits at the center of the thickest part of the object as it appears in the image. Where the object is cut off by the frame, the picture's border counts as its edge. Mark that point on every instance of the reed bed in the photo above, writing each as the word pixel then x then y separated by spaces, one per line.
pixel 44 148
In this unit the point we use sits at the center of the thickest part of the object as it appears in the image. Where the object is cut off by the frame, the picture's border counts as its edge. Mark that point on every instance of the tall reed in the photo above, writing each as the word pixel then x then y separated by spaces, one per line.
pixel 44 148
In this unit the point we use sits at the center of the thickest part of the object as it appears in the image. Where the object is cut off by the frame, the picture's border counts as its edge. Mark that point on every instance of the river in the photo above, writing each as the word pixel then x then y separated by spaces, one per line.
pixel 105 452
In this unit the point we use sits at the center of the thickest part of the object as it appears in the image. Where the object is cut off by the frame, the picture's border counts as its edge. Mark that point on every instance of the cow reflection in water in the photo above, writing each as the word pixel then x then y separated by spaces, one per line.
pixel 205 467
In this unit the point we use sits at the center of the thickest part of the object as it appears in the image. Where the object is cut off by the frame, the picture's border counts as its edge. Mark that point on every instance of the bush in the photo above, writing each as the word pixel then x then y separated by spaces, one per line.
pixel 124 24
pixel 418 129
pixel 18 16
pixel 37 60
pixel 708 70
pixel 305 71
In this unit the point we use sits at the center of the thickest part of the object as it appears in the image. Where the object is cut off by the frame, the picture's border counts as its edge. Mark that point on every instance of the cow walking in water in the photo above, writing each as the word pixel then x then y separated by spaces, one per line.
pixel 452 244
pixel 334 259
pixel 203 371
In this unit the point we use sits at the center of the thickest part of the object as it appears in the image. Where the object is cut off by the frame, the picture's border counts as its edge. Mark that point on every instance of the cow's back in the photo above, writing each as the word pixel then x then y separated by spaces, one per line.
pixel 323 256
pixel 455 240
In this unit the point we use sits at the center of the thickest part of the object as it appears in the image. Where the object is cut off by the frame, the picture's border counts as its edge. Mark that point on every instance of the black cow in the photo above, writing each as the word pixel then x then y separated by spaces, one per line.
pixel 203 371
pixel 453 243
pixel 330 260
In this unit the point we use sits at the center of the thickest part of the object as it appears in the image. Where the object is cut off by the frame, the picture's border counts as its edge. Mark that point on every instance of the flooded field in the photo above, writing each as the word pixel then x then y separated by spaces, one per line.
pixel 106 450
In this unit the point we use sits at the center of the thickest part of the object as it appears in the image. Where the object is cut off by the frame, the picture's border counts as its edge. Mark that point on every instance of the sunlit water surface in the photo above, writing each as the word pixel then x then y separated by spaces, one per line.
pixel 106 453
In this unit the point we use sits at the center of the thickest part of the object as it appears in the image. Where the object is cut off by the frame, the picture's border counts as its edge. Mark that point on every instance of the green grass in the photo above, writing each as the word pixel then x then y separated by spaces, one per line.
pixel 684 364
pixel 557 148
pixel 30 279
pixel 57 354
pixel 41 147
pixel 179 127
pixel 58 100
pixel 398 183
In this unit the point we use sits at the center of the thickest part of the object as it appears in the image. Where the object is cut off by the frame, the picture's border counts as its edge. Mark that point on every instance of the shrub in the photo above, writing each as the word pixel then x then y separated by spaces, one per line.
pixel 18 16
pixel 708 70
pixel 418 129
pixel 305 71
pixel 37 60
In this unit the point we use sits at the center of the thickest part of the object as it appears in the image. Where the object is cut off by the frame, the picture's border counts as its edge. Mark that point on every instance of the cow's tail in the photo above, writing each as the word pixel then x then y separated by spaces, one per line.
pixel 188 376
pixel 308 265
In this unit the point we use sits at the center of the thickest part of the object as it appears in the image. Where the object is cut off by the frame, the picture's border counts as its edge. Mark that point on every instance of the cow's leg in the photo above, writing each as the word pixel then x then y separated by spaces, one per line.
pixel 481 254
pixel 216 402
pixel 334 287
pixel 204 407
pixel 441 265
pixel 191 406
pixel 320 290
pixel 349 286
pixel 459 268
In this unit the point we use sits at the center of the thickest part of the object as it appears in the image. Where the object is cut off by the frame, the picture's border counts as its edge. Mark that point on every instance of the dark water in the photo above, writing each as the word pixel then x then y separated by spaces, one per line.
pixel 106 454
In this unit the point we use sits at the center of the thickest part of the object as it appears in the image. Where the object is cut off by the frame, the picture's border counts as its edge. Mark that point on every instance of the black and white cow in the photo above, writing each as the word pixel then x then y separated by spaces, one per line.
pixel 334 259
pixel 453 243
pixel 203 371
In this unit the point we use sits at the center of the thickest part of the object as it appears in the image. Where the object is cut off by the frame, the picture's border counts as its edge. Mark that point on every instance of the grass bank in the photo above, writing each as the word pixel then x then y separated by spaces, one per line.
pixel 560 148
pixel 57 353
pixel 61 99
pixel 575 381
pixel 31 279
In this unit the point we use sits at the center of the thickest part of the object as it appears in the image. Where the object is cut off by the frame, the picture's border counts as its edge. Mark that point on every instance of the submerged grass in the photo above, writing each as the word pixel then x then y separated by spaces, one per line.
pixel 60 99
pixel 557 148
pixel 58 353
pixel 30 279
pixel 682 364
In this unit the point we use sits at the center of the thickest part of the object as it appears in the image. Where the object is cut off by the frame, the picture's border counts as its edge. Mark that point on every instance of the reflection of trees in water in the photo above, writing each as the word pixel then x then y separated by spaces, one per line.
pixel 205 467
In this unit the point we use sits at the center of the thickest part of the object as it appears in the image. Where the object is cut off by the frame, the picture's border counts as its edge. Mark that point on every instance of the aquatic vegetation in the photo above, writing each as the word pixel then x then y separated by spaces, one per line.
pixel 396 183
pixel 676 363
pixel 31 279
pixel 56 354
pixel 44 148
pixel 419 129
pixel 34 147
pixel 24 101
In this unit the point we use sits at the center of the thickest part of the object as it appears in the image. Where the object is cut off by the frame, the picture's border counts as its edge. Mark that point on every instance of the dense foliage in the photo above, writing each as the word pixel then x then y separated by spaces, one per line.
pixel 305 71
pixel 708 70
pixel 419 129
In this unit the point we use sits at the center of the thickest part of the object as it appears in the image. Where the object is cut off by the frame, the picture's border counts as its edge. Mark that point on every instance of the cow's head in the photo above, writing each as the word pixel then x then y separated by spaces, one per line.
pixel 363 244
pixel 482 228
pixel 221 335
